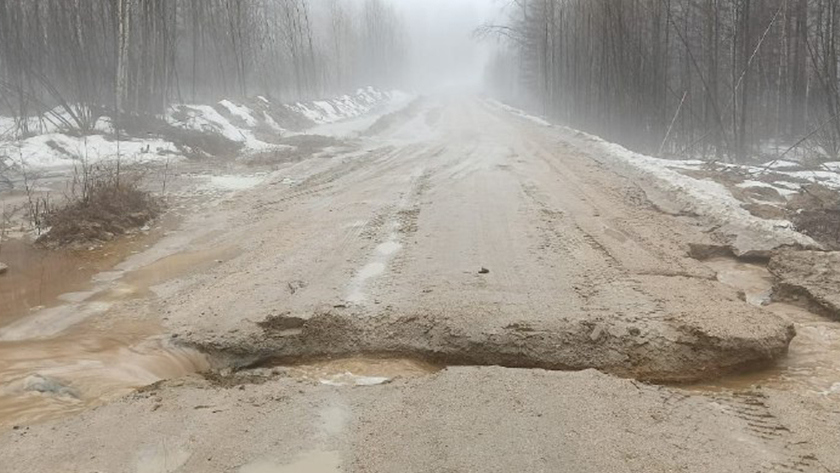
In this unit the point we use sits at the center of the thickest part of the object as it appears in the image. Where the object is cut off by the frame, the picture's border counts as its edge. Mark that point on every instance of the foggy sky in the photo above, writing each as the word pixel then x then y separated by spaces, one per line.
pixel 443 52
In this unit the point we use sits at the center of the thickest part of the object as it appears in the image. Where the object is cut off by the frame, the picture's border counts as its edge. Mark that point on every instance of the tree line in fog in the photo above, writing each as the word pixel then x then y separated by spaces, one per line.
pixel 726 79
pixel 93 57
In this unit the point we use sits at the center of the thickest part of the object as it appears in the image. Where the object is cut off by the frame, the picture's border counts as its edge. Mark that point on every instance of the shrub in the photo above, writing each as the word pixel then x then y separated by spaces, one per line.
pixel 104 201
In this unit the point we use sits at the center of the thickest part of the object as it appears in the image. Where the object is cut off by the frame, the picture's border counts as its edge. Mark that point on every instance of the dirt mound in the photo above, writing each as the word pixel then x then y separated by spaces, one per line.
pixel 669 352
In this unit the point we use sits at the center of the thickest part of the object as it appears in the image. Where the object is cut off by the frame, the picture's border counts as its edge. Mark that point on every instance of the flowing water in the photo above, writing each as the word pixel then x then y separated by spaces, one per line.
pixel 84 367
pixel 361 370
pixel 812 364
pixel 60 359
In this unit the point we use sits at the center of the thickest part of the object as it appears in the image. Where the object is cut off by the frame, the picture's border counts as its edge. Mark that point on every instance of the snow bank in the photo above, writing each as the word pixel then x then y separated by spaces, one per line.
pixel 238 122
pixel 330 111
pixel 243 113
pixel 56 150
pixel 781 189
pixel 205 119
pixel 263 114
pixel 51 122
pixel 710 199
pixel 749 234
pixel 519 113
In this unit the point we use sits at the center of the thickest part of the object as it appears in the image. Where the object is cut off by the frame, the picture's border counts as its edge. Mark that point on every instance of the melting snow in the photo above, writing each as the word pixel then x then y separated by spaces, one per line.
pixel 53 149
pixel 57 150
pixel 781 190
pixel 243 113
pixel 323 112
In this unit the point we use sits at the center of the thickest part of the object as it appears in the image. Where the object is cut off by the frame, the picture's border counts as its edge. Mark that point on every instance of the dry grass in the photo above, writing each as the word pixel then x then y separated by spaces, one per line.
pixel 104 202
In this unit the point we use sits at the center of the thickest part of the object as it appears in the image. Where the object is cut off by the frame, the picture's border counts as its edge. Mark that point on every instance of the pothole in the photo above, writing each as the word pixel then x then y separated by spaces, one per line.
pixel 362 370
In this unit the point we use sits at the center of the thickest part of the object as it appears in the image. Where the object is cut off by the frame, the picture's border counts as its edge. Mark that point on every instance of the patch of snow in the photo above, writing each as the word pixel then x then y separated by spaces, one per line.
pixel 57 150
pixel 206 119
pixel 354 125
pixel 53 149
pixel 711 199
pixel 519 113
pixel 687 164
pixel 832 166
pixel 782 190
pixel 777 165
pixel 334 110
pixel 244 113
pixel 826 178
pixel 788 185
pixel 273 124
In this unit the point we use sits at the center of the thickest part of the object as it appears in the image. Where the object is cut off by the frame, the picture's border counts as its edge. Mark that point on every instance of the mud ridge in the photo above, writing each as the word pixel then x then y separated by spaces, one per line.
pixel 553 345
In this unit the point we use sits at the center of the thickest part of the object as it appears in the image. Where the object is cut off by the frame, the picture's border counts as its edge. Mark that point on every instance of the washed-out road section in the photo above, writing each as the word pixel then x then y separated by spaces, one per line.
pixel 457 234
pixel 383 251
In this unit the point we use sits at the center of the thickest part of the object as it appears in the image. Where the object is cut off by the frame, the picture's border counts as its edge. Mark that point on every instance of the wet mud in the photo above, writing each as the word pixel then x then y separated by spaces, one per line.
pixel 812 364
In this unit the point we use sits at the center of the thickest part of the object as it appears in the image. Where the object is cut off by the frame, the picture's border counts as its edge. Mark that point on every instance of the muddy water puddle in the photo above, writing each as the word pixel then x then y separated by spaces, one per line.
pixel 360 371
pixel 64 359
pixel 40 278
pixel 140 282
pixel 813 360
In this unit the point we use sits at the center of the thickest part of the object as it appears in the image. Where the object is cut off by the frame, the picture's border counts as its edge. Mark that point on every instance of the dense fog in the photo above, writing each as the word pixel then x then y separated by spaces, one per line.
pixel 723 78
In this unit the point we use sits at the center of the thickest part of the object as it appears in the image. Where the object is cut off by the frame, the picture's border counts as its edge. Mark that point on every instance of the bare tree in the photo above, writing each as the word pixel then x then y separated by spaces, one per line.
pixel 719 78
pixel 68 62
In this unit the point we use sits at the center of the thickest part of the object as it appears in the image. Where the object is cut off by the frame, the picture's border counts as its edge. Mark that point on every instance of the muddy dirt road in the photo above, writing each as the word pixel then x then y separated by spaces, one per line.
pixel 486 267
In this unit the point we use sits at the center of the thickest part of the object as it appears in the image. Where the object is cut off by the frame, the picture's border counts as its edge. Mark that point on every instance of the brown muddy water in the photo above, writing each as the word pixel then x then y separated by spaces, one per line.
pixel 60 359
pixel 85 367
pixel 37 277
pixel 812 364
pixel 360 370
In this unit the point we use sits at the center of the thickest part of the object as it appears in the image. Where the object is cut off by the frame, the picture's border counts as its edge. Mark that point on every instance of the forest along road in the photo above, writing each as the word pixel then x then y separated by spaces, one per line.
pixel 457 234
